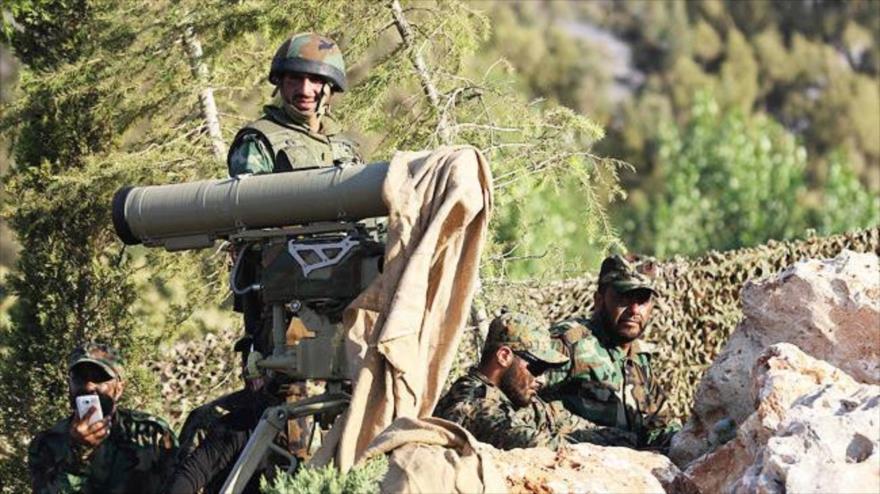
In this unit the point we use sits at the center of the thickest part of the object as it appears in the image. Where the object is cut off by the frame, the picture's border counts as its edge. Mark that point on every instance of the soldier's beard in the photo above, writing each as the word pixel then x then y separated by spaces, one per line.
pixel 617 335
pixel 516 391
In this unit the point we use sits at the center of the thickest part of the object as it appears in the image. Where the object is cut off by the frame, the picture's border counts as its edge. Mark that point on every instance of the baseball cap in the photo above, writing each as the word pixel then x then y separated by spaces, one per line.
pixel 627 273
pixel 523 334
pixel 102 355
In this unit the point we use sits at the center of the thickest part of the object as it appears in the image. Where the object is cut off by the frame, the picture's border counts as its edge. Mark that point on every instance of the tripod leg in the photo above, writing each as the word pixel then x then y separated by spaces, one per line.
pixel 274 421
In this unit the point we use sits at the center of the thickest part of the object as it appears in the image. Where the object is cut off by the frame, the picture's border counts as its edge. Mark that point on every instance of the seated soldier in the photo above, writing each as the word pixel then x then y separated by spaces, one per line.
pixel 608 379
pixel 126 451
pixel 214 434
pixel 498 401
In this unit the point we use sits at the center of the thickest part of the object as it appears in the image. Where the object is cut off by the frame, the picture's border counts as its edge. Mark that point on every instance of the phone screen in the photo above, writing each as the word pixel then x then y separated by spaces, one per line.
pixel 84 403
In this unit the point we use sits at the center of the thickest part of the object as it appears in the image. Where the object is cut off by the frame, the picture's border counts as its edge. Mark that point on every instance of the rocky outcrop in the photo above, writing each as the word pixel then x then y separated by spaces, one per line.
pixel 589 468
pixel 814 429
pixel 830 309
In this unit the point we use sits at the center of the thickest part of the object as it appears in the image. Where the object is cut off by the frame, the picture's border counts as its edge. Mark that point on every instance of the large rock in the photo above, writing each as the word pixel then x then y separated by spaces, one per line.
pixel 589 468
pixel 814 429
pixel 829 308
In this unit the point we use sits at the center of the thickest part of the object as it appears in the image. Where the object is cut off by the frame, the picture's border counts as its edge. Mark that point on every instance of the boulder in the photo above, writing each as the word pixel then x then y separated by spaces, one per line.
pixel 827 443
pixel 814 429
pixel 589 468
pixel 830 309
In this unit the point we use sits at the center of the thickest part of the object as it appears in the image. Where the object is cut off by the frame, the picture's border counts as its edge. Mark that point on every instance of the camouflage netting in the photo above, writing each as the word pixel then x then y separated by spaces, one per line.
pixel 698 309
pixel 195 372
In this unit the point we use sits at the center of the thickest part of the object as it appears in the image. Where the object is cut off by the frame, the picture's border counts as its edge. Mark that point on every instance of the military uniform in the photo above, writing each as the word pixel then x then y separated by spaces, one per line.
pixel 285 138
pixel 484 410
pixel 214 436
pixel 137 456
pixel 488 413
pixel 280 142
pixel 201 420
pixel 604 383
pixel 607 386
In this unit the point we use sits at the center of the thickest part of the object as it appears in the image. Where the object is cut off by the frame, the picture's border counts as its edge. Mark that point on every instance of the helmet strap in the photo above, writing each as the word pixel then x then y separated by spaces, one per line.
pixel 323 105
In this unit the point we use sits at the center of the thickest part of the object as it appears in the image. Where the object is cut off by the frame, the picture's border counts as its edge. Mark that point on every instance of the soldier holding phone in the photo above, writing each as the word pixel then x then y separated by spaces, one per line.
pixel 101 447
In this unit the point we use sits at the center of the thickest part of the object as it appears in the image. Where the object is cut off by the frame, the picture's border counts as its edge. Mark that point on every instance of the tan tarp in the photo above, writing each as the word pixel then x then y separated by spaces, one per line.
pixel 434 455
pixel 404 329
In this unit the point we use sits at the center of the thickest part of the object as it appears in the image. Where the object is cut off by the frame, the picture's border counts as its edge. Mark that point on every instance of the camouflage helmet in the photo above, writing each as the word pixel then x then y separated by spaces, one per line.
pixel 523 334
pixel 309 53
pixel 627 273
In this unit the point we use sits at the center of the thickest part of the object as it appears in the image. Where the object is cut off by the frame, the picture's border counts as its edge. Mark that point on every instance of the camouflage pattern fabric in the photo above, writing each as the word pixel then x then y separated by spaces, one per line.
pixel 137 456
pixel 277 143
pixel 310 53
pixel 104 356
pixel 607 386
pixel 521 333
pixel 484 410
pixel 625 273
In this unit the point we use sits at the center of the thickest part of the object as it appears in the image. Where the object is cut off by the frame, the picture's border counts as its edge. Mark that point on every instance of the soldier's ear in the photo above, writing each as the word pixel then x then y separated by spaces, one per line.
pixel 120 387
pixel 504 356
pixel 597 298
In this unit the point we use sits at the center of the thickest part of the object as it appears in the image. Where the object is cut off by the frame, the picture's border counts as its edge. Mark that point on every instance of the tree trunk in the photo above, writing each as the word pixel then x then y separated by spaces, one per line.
pixel 206 95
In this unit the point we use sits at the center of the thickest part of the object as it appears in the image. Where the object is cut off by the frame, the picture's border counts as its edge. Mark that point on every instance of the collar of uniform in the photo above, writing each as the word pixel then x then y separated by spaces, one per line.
pixel 329 126
pixel 474 372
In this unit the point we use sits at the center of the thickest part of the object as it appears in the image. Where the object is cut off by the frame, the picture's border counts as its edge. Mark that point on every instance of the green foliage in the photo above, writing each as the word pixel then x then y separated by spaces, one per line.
pixel 846 204
pixel 732 181
pixel 69 290
pixel 364 478
pixel 810 66
pixel 45 33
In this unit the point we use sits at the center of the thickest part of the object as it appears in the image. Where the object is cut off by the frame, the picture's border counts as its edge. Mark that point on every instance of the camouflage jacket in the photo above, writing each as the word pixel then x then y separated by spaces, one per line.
pixel 604 385
pixel 136 457
pixel 484 410
pixel 275 143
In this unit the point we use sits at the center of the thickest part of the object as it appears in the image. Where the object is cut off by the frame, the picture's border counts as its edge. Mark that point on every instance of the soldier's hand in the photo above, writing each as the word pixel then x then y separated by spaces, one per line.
pixel 90 435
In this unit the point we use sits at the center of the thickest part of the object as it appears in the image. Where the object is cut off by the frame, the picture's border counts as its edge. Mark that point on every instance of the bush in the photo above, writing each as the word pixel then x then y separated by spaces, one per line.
pixel 362 479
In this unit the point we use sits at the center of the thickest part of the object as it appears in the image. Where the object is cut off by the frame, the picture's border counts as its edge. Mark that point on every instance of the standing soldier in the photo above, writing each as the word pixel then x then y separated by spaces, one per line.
pixel 608 379
pixel 498 402
pixel 126 451
pixel 296 131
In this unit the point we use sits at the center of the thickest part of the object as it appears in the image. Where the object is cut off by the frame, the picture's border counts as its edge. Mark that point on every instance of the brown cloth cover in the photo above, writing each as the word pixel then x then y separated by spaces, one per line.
pixel 404 329
pixel 421 461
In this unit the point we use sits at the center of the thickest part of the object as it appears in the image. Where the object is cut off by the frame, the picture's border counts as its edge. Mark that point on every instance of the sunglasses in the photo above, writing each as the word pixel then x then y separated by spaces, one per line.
pixel 536 367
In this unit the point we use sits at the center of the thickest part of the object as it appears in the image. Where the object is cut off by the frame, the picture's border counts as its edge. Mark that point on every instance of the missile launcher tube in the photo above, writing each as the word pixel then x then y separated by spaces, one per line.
pixel 194 215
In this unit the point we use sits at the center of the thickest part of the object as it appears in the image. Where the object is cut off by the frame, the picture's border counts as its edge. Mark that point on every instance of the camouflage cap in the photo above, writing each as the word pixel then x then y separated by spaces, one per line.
pixel 627 273
pixel 99 354
pixel 523 334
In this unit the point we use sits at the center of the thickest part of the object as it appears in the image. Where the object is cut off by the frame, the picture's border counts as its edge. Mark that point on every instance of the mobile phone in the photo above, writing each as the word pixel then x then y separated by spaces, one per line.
pixel 84 402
